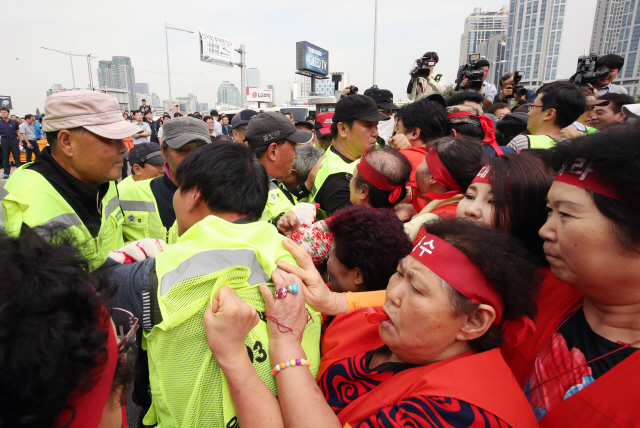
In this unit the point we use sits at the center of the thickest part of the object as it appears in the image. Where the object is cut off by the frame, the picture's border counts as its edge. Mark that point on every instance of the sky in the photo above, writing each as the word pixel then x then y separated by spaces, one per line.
pixel 269 29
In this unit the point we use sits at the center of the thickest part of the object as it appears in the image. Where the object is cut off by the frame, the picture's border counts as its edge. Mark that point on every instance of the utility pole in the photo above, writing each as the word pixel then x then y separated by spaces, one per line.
pixel 166 34
pixel 71 55
pixel 243 76
pixel 375 43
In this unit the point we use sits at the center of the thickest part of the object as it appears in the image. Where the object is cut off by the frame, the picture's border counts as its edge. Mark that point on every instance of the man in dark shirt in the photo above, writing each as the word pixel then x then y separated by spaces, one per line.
pixel 144 108
pixel 10 136
pixel 354 131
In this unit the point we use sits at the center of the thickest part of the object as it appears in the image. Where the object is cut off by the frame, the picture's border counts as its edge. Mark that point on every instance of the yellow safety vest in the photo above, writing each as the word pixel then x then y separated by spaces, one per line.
pixel 141 214
pixel 332 164
pixel 10 213
pixel 128 180
pixel 188 387
pixel 541 142
pixel 45 207
pixel 277 203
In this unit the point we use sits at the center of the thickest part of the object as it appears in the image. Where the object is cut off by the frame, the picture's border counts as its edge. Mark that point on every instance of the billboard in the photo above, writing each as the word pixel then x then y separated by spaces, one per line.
pixel 259 95
pixel 312 59
pixel 216 50
pixel 5 101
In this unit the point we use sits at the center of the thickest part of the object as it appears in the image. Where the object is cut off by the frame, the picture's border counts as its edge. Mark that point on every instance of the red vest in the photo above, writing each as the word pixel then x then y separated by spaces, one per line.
pixel 612 400
pixel 481 379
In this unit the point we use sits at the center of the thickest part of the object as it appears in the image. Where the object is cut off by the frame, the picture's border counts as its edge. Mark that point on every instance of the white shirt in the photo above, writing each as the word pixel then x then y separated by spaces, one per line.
pixel 612 89
pixel 145 127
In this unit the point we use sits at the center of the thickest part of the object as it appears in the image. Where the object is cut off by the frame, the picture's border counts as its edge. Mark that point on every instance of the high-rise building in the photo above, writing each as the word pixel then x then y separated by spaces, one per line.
pixel 479 27
pixel 119 74
pixel 494 50
pixel 190 102
pixel 253 78
pixel 203 107
pixel 273 96
pixel 55 89
pixel 142 88
pixel 616 30
pixel 155 100
pixel 229 94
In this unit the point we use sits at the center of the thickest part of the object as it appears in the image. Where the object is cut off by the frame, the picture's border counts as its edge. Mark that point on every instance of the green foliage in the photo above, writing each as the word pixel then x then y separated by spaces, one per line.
pixel 449 90
pixel 37 111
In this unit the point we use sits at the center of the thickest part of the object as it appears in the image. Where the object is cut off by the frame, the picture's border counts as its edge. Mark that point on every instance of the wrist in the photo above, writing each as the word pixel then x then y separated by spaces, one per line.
pixel 308 185
pixel 230 355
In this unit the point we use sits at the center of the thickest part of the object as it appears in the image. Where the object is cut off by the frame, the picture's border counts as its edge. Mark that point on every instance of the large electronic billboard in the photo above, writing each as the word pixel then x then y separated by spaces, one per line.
pixel 312 59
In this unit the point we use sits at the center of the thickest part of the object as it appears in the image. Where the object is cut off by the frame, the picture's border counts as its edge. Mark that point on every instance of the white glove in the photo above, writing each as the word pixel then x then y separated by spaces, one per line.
pixel 138 250
pixel 305 212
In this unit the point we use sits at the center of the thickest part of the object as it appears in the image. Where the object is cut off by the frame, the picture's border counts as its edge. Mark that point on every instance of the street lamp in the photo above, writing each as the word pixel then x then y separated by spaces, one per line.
pixel 166 34
pixel 71 55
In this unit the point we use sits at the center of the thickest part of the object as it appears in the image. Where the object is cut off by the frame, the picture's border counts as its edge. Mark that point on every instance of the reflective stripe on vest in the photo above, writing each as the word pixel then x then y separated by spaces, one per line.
pixel 112 205
pixel 212 261
pixel 66 220
pixel 142 219
pixel 138 206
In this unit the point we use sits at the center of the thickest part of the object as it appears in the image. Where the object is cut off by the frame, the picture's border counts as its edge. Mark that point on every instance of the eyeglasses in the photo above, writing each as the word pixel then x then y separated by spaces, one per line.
pixel 348 176
pixel 387 111
pixel 126 326
pixel 531 106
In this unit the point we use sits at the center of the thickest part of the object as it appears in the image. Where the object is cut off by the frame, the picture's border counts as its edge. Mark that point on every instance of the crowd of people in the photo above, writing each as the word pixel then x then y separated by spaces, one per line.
pixel 470 261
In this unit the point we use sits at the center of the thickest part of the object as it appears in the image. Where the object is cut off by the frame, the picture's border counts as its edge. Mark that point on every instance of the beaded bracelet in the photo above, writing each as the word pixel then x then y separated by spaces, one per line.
pixel 292 363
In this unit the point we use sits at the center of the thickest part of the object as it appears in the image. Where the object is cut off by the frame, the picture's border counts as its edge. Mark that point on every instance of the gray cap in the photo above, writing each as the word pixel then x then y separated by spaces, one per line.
pixel 182 130
pixel 265 128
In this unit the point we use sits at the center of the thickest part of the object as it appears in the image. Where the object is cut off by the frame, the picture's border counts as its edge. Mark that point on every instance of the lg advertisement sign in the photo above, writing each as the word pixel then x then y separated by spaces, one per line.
pixel 312 59
pixel 258 95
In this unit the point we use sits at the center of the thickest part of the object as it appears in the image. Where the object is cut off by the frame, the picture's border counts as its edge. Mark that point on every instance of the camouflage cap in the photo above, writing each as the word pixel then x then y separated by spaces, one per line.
pixel 463 119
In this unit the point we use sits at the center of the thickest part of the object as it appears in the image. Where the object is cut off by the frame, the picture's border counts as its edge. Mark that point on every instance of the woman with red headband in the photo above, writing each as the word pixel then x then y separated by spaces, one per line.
pixel 443 177
pixel 428 357
pixel 582 367
pixel 63 364
pixel 509 193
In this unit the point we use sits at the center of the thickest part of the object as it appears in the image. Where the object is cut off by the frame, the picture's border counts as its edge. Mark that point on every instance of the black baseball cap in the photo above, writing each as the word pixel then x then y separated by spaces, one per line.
pixel 145 153
pixel 382 97
pixel 265 128
pixel 357 107
pixel 241 120
pixel 435 98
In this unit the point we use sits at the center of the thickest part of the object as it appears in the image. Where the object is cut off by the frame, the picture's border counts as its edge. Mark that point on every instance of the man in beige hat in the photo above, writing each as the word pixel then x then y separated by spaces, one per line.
pixel 71 185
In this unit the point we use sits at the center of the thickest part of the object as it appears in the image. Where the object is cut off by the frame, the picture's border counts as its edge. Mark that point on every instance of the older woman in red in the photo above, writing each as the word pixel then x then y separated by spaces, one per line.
pixel 582 368
pixel 428 357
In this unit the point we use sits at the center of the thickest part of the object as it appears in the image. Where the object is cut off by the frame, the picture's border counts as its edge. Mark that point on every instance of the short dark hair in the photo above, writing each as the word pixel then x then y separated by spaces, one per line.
pixel 261 150
pixel 190 115
pixel 519 184
pixel 393 165
pixel 50 336
pixel 136 112
pixel 566 98
pixel 462 156
pixel 306 125
pixel 616 101
pixel 372 240
pixel 148 112
pixel 204 119
pixel 5 109
pixel 144 100
pixel 429 117
pixel 616 157
pixel 177 114
pixel 52 136
pixel 459 98
pixel 481 63
pixel 516 277
pixel 469 129
pixel 505 78
pixel 431 55
pixel 28 116
pixel 228 176
pixel 611 61
pixel 214 112
pixel 334 127
pixel 497 106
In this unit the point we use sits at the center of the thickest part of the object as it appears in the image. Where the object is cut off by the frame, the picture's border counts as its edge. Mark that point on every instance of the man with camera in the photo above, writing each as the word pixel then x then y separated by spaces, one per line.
pixel 614 64
pixel 513 93
pixel 423 81
pixel 349 90
pixel 487 89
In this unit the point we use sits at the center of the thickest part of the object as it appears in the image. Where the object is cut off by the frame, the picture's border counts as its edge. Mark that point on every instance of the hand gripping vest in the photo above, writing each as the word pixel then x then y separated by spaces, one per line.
pixel 541 142
pixel 332 164
pixel 10 213
pixel 45 206
pixel 141 214
pixel 187 386
pixel 277 203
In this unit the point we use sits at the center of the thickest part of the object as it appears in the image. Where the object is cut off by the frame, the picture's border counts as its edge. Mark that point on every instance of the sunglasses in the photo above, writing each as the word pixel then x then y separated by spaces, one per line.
pixel 126 327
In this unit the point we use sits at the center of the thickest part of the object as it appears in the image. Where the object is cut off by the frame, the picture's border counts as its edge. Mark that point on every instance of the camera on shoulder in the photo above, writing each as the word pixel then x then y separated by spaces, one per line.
pixel 586 72
pixel 474 77
pixel 517 88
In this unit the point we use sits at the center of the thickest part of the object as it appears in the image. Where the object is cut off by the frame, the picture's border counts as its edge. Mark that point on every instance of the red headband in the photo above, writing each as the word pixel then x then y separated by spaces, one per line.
pixel 464 275
pixel 487 126
pixel 484 176
pixel 580 174
pixel 379 180
pixel 89 405
pixel 441 176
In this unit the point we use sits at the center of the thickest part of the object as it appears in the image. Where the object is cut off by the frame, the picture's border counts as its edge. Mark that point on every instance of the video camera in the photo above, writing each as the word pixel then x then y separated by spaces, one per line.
pixel 473 76
pixel 586 72
pixel 517 88
pixel 418 71
pixel 352 89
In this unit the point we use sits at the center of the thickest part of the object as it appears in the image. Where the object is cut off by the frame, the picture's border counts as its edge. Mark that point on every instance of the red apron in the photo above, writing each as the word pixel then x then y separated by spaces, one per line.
pixel 481 379
pixel 609 401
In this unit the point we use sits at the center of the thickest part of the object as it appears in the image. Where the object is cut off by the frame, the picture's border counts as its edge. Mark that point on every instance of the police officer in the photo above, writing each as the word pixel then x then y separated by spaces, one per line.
pixel 71 184
pixel 148 204
pixel 273 139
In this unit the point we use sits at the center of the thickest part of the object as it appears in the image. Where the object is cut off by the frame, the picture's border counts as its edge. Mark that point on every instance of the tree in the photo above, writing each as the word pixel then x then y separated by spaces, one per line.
pixel 449 90
pixel 37 111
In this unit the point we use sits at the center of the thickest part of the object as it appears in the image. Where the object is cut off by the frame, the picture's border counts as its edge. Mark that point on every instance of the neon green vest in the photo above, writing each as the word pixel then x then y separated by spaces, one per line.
pixel 141 214
pixel 187 385
pixel 541 142
pixel 10 213
pixel 46 207
pixel 332 164
pixel 590 130
pixel 128 180
pixel 277 203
